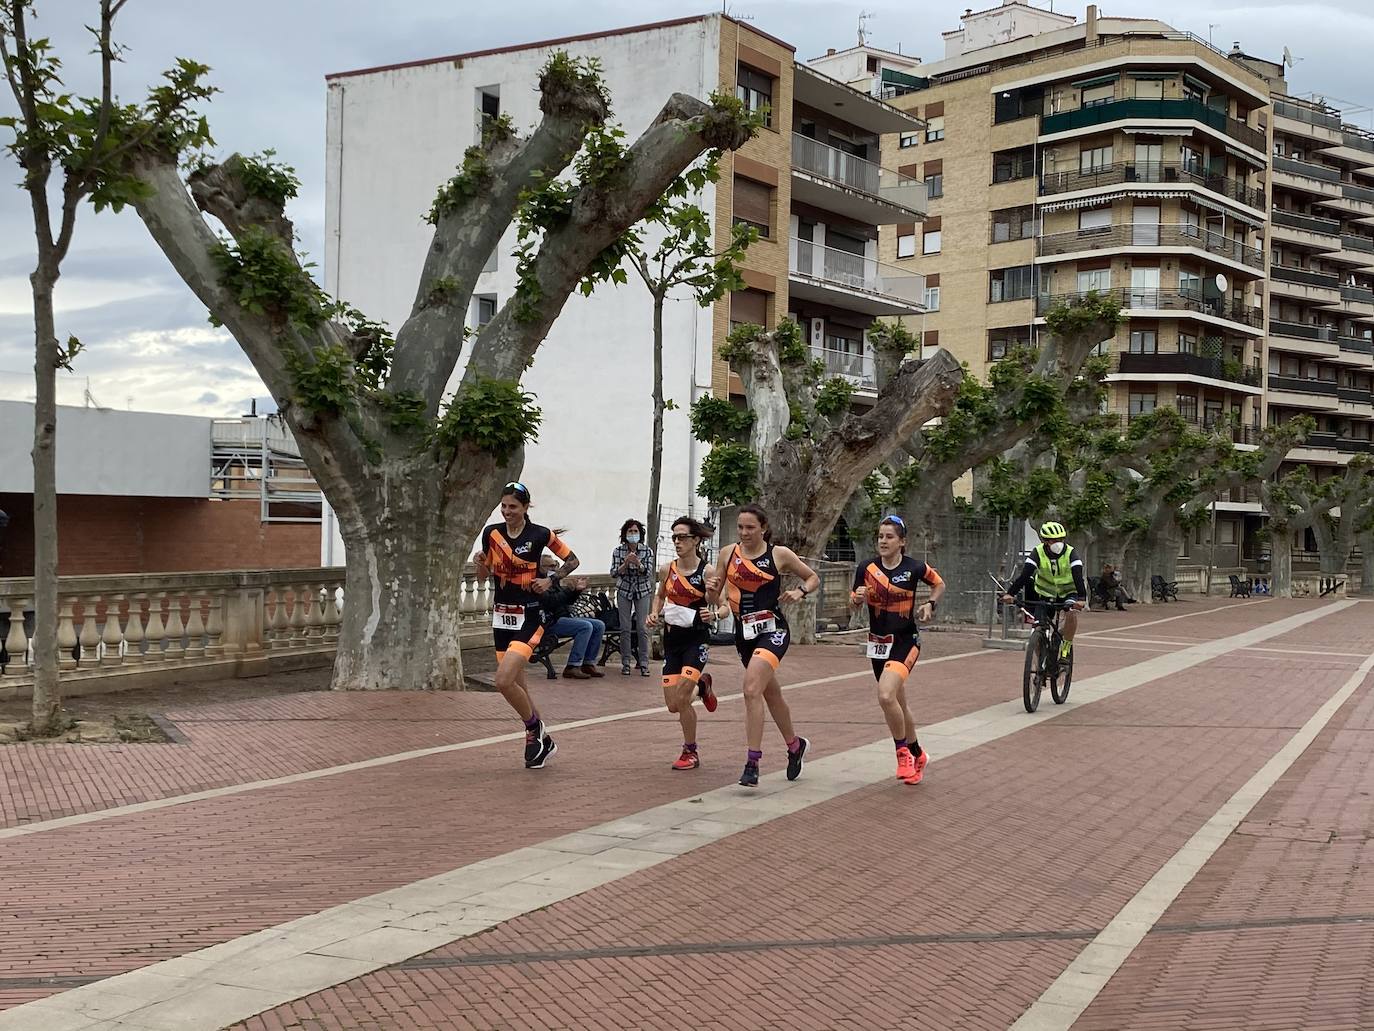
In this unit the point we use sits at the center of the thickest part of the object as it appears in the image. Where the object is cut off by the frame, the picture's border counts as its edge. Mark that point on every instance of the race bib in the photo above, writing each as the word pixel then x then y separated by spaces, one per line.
pixel 508 617
pixel 757 623
pixel 879 647
pixel 679 615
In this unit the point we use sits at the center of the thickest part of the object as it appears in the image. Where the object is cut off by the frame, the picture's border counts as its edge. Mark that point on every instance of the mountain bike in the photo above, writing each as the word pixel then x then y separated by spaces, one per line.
pixel 1043 662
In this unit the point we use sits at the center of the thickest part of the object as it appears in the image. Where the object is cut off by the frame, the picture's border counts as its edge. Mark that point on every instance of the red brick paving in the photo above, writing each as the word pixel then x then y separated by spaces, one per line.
pixel 229 866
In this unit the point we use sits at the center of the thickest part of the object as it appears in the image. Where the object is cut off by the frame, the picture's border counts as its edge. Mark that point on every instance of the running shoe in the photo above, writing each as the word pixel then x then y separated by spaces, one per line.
pixel 545 753
pixel 906 764
pixel 704 692
pixel 1065 649
pixel 687 761
pixel 794 759
pixel 919 768
pixel 750 777
pixel 534 741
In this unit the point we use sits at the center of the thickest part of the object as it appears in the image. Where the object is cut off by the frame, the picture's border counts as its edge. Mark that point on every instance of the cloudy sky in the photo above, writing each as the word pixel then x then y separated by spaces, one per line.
pixel 148 344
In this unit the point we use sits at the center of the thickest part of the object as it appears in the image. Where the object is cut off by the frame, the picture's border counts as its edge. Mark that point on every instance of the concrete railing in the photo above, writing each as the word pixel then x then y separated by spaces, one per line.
pixel 137 630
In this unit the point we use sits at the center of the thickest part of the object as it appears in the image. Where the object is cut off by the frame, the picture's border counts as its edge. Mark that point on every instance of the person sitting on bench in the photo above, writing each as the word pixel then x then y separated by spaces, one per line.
pixel 563 621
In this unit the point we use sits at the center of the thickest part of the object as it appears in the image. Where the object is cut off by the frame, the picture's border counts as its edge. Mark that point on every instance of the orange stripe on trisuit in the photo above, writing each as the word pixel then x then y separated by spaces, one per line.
pixel 680 589
pixel 508 567
pixel 743 573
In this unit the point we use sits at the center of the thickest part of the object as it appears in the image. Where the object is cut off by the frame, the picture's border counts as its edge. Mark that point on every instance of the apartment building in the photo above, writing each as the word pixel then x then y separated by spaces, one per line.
pixel 811 182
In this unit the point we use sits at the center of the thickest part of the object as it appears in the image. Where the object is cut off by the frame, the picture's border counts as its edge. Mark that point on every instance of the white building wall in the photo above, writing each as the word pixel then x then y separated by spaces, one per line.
pixel 395 136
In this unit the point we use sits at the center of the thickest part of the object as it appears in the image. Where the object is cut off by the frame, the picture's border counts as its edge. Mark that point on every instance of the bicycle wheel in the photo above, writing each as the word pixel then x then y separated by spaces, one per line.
pixel 1032 677
pixel 1064 676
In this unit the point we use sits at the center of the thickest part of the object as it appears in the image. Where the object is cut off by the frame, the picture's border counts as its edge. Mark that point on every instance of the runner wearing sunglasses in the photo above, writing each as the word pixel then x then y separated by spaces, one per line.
pixel 511 551
pixel 887 584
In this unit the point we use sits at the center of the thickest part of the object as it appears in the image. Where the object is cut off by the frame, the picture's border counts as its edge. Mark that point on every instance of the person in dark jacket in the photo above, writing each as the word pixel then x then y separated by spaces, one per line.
pixel 586 633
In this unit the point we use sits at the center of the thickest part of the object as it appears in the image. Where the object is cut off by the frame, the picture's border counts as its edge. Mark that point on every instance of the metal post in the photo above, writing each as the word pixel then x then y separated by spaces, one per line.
pixel 1212 551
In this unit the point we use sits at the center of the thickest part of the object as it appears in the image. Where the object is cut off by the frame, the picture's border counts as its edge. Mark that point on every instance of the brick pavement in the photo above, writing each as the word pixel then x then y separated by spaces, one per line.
pixel 245 862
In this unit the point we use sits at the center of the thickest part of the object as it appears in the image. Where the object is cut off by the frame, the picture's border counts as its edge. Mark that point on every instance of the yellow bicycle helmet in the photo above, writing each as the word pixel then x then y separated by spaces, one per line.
pixel 1053 532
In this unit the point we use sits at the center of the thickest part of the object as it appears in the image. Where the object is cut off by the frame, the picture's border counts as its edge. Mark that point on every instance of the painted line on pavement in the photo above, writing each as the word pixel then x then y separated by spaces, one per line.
pixel 221 985
pixel 1083 980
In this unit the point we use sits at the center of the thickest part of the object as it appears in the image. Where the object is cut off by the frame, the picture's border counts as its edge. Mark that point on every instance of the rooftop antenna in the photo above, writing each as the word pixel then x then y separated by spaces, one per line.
pixel 1210 27
pixel 90 399
pixel 864 17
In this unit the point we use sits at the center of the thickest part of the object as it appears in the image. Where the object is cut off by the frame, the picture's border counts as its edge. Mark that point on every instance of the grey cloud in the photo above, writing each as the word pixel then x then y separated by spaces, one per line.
pixel 208 398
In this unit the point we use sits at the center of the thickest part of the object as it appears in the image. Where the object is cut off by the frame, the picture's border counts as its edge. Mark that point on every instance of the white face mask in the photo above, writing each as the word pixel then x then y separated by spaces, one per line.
pixel 1056 548
pixel 632 538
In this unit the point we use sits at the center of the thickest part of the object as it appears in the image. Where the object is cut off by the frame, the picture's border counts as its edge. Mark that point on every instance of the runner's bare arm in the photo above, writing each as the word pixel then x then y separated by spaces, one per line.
pixel 937 591
pixel 660 596
pixel 788 562
pixel 716 582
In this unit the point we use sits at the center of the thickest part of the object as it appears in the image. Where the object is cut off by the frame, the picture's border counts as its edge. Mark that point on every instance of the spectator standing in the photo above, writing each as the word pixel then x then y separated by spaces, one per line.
pixel 633 566
pixel 564 619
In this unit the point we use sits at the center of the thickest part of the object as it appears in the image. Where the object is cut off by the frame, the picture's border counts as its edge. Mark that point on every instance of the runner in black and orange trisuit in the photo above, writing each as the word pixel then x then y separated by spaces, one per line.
pixel 752 572
pixel 510 551
pixel 887 584
pixel 681 604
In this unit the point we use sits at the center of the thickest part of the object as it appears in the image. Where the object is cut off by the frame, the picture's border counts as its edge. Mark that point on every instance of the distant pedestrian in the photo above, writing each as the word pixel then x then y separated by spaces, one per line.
pixel 633 566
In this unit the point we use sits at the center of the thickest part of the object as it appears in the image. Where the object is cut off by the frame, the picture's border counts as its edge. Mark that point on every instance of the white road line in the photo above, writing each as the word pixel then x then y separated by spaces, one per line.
pixel 1300 651
pixel 154 804
pixel 215 987
pixel 1075 989
pixel 1170 619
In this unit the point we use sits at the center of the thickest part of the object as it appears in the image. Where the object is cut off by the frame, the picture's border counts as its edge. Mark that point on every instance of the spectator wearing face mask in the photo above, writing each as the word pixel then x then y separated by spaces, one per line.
pixel 632 565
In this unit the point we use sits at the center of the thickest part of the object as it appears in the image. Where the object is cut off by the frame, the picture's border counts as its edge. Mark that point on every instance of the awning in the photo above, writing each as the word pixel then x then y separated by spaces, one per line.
pixel 1245 156
pixel 1099 80
pixel 1090 202
pixel 1156 131
pixel 1151 75
pixel 1211 205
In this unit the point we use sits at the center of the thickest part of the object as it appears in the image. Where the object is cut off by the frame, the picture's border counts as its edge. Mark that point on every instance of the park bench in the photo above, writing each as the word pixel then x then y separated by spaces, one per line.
pixel 1239 588
pixel 1163 590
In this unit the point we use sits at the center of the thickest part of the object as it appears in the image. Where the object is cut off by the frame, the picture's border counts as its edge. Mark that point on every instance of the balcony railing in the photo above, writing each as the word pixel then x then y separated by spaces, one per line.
pixel 1150 234
pixel 1180 364
pixel 1205 423
pixel 1116 110
pixel 1162 300
pixel 1357 243
pixel 1301 385
pixel 1151 172
pixel 1321 440
pixel 1354 445
pixel 1359 193
pixel 1358 294
pixel 858 368
pixel 1355 395
pixel 1301 331
pixel 1306 169
pixel 1301 112
pixel 1327 280
pixel 1356 345
pixel 855 272
pixel 1325 226
pixel 857 173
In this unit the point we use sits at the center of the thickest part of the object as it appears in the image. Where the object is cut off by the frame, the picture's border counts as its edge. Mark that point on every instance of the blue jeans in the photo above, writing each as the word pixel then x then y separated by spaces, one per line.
pixel 586 635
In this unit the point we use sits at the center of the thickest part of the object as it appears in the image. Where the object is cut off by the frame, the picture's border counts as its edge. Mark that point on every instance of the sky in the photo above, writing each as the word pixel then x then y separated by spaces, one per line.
pixel 148 344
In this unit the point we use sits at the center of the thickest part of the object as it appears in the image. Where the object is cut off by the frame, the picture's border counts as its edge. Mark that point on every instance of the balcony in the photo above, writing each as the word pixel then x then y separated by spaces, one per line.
pixel 1154 110
pixel 857 368
pixel 1355 395
pixel 1304 284
pixel 1152 172
pixel 1356 345
pixel 1301 331
pixel 1322 441
pixel 828 178
pixel 1151 234
pixel 852 281
pixel 1362 296
pixel 1320 234
pixel 1307 170
pixel 1151 299
pixel 1305 111
pixel 1354 446
pixel 1180 364
pixel 1301 385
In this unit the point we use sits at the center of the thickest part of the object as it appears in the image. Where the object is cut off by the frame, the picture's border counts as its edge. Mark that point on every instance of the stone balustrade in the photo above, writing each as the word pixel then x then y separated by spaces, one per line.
pixel 135 630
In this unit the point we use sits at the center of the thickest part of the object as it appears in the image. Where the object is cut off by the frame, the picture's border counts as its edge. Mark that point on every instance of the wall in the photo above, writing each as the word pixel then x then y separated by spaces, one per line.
pixel 100 535
pixel 111 453
pixel 393 136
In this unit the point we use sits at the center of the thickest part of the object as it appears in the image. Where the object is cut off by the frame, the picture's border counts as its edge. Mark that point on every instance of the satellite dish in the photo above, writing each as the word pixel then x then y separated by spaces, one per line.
pixel 1288 57
pixel 1222 282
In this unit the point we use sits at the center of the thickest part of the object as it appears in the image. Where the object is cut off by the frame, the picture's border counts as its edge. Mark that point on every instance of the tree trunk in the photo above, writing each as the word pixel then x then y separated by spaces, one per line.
pixel 656 464
pixel 1281 547
pixel 405 553
pixel 48 717
pixel 1335 542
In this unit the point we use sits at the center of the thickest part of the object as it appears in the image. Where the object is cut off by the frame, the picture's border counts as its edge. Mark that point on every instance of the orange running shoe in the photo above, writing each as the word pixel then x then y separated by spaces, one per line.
pixel 906 765
pixel 920 768
pixel 687 761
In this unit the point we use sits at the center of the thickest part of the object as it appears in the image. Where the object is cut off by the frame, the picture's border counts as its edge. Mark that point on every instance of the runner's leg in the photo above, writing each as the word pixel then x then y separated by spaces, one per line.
pixel 777 705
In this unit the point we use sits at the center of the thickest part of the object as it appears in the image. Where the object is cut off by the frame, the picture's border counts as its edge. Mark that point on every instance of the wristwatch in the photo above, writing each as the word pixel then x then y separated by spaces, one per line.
pixel 802 588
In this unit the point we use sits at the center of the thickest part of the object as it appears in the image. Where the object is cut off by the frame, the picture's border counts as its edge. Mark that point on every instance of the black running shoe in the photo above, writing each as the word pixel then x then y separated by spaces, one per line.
pixel 545 753
pixel 750 777
pixel 795 759
pixel 534 742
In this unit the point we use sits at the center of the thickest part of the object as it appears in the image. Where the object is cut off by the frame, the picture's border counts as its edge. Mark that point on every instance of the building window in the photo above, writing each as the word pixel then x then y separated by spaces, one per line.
pixel 1189 283
pixel 1013 224
pixel 1010 284
pixel 930 242
pixel 935 130
pixel 486 308
pixel 1149 89
pixel 908 139
pixel 1187 343
pixel 1094 159
pixel 1002 342
pixel 1144 341
pixel 1094 221
pixel 1094 279
pixel 1013 164
pixel 1141 403
pixel 1008 106
pixel 756 90
pixel 1103 93
pixel 748 307
pixel 1187 406
pixel 906 245
pixel 488 104
pixel 753 205
pixel 935 185
pixel 932 298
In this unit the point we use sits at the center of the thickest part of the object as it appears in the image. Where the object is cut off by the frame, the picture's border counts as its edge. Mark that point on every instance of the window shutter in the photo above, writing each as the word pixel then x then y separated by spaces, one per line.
pixel 934 168
pixel 749 306
pixel 932 224
pixel 933 279
pixel 753 201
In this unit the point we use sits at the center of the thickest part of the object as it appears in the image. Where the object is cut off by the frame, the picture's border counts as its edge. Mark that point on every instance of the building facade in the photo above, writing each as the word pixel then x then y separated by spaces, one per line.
pixel 811 182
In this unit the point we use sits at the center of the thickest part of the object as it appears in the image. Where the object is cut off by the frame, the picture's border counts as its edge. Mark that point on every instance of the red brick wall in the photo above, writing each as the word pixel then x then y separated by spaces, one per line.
pixel 156 535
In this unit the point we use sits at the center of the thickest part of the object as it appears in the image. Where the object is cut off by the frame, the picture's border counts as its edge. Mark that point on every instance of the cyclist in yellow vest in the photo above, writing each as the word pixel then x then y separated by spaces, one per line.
pixel 1054 572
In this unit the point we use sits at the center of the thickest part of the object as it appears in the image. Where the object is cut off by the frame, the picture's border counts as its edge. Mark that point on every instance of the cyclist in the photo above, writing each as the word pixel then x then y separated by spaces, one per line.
pixel 1054 572
pixel 681 603
pixel 511 551
pixel 887 584
pixel 751 573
